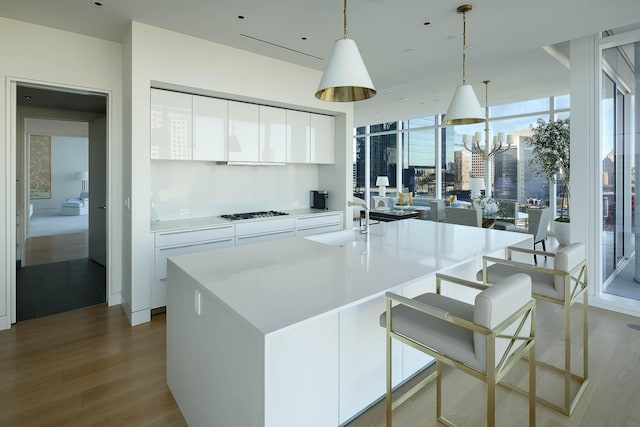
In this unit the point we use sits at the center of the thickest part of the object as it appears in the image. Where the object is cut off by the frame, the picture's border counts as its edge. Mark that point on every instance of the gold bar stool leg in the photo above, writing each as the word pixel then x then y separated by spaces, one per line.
pixel 491 381
pixel 532 374
pixel 585 337
pixel 438 390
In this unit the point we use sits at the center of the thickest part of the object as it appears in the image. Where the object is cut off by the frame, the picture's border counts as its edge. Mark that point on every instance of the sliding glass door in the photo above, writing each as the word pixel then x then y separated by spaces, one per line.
pixel 618 121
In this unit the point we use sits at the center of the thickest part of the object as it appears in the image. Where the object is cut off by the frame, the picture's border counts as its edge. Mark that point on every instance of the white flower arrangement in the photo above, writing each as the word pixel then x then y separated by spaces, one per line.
pixel 488 205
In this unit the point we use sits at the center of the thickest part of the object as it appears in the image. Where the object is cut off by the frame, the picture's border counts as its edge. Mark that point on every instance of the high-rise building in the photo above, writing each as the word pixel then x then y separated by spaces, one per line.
pixel 531 186
pixel 505 175
pixel 477 166
pixel 462 162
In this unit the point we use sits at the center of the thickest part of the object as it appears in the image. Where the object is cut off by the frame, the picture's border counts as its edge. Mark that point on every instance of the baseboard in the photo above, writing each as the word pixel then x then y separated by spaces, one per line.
pixel 115 299
pixel 141 316
pixel 4 323
pixel 135 317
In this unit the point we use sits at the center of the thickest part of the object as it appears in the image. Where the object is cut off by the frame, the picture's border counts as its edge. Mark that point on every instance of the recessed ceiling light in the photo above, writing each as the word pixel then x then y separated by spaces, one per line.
pixel 98 3
pixel 240 16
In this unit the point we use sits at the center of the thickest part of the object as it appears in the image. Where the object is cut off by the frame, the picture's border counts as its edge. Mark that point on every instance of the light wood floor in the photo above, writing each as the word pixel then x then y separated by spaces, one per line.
pixel 86 367
pixel 90 368
pixel 57 248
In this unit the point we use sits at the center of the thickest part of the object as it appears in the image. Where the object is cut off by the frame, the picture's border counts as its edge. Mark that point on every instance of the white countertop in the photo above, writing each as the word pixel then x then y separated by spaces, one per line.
pixel 279 283
pixel 212 221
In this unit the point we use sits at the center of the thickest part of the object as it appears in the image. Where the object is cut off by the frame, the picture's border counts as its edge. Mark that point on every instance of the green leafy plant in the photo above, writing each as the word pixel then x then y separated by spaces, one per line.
pixel 550 142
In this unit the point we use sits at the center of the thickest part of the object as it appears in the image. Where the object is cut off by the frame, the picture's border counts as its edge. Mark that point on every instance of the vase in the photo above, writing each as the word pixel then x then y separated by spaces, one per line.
pixel 563 232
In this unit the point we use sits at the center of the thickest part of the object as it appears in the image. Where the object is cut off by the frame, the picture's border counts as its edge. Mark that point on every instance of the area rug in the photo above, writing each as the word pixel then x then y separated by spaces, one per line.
pixel 47 224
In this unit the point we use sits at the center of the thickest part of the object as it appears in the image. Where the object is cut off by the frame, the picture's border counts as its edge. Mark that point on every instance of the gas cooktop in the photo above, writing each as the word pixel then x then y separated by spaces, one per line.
pixel 252 215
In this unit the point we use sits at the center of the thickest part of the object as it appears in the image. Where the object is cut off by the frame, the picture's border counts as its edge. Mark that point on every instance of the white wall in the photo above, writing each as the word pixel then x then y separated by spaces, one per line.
pixel 166 59
pixel 68 156
pixel 210 189
pixel 34 53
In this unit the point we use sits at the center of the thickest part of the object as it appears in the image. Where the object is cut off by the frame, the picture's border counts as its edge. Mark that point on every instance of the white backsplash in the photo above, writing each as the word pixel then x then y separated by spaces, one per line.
pixel 209 189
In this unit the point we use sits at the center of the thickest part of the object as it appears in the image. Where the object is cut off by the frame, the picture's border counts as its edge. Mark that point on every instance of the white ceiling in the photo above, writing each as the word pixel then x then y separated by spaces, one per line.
pixel 415 67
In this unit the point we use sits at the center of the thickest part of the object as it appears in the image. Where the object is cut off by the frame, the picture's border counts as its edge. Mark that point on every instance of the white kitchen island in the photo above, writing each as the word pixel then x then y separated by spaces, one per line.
pixel 286 333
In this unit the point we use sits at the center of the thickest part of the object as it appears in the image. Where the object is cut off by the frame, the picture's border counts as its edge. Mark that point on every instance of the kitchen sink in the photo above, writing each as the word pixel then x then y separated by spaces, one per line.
pixel 338 238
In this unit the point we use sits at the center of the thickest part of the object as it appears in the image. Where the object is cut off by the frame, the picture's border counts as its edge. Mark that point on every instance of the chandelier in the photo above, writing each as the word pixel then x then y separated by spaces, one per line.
pixel 487 150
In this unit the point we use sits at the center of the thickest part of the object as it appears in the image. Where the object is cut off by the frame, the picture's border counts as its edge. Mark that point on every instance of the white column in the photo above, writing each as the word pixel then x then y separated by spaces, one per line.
pixel 438 131
pixel 586 200
pixel 399 159
pixel 367 167
pixel 636 135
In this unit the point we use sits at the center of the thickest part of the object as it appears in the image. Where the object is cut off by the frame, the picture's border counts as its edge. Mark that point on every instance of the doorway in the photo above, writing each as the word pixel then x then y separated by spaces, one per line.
pixel 62 266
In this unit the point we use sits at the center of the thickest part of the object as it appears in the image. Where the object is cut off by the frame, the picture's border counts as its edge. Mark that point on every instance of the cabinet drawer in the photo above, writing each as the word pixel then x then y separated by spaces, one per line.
pixel 266 226
pixel 318 220
pixel 162 254
pixel 318 229
pixel 273 235
pixel 170 238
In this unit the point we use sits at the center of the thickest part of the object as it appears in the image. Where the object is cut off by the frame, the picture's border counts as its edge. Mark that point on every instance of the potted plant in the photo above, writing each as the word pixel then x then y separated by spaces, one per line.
pixel 550 142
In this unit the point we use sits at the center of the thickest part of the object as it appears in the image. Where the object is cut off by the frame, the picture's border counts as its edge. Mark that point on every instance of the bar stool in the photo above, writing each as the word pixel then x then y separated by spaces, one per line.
pixel 563 285
pixel 483 340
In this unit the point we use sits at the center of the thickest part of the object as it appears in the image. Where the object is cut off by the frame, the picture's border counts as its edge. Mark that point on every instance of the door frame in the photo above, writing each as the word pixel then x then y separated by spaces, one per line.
pixel 10 225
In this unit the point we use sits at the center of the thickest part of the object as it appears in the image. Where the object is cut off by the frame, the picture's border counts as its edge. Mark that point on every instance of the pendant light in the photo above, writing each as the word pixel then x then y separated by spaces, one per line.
pixel 465 108
pixel 346 78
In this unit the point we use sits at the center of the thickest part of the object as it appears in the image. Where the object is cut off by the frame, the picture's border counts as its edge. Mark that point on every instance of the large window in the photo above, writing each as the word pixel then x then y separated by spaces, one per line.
pixel 433 162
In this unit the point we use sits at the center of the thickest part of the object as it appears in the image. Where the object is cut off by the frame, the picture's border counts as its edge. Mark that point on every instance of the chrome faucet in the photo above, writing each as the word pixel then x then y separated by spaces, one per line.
pixel 362 204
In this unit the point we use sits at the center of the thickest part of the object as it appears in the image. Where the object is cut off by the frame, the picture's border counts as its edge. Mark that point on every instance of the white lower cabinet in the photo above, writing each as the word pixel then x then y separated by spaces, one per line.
pixel 180 242
pixel 172 243
pixel 363 353
pixel 309 225
pixel 262 231
pixel 294 394
pixel 363 358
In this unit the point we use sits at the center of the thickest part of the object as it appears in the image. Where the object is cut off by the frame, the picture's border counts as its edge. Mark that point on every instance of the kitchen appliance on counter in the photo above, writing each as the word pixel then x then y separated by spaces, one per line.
pixel 319 199
pixel 253 215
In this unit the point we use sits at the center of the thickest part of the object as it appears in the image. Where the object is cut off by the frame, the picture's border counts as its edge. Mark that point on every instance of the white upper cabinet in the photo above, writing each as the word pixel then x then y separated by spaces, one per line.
pixel 171 125
pixel 210 128
pixel 298 134
pixel 194 127
pixel 321 138
pixel 244 136
pixel 273 134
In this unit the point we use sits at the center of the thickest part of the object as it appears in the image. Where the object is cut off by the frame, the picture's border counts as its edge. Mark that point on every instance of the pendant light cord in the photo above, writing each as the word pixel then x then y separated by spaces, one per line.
pixel 345 18
pixel 464 46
